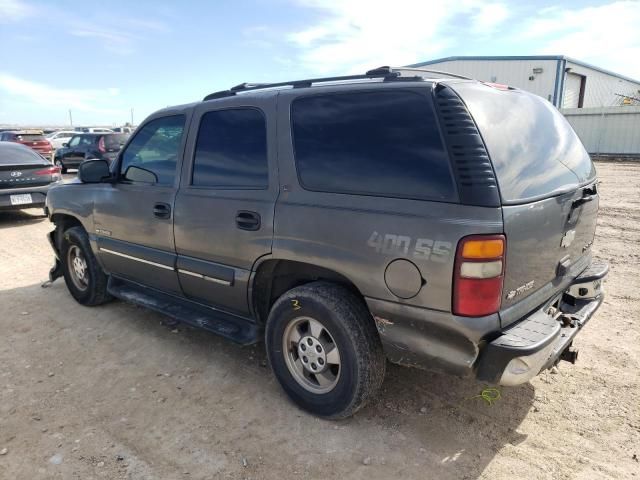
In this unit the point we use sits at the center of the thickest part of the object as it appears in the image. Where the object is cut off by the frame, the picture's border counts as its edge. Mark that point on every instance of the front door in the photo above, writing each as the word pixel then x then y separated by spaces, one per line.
pixel 224 208
pixel 134 216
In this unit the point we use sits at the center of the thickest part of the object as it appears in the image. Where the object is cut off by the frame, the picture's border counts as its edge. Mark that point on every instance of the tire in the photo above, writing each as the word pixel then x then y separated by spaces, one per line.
pixel 341 389
pixel 91 288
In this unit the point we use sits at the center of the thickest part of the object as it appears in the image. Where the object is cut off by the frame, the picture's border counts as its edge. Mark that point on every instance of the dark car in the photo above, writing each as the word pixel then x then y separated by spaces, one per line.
pixel 103 146
pixel 33 139
pixel 25 177
pixel 437 222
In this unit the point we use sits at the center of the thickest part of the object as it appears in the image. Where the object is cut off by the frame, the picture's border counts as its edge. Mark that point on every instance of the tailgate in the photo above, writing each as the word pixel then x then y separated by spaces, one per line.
pixel 546 241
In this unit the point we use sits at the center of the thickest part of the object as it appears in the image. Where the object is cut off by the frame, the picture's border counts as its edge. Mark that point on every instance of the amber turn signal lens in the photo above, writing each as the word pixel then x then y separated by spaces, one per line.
pixel 483 248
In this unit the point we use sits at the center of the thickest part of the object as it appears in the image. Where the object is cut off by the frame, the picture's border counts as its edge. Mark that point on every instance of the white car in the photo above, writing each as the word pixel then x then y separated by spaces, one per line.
pixel 56 139
pixel 94 130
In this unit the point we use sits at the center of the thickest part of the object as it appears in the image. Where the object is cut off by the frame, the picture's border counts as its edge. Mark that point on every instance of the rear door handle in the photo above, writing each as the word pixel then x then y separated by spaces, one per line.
pixel 246 220
pixel 162 210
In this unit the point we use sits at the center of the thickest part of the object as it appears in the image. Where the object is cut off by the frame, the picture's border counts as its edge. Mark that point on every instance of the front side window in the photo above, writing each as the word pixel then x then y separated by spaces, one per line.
pixel 381 143
pixel 74 141
pixel 231 150
pixel 155 149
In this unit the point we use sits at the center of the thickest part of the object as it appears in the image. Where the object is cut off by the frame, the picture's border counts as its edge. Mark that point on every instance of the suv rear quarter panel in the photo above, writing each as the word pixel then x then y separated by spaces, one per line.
pixel 358 236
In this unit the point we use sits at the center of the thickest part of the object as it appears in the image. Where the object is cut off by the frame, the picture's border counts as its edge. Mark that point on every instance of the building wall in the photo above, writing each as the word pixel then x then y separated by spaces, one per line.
pixel 600 87
pixel 515 73
pixel 611 130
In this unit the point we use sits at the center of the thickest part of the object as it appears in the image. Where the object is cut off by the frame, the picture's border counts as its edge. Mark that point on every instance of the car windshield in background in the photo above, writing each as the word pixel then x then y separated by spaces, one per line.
pixel 29 137
pixel 12 154
pixel 115 140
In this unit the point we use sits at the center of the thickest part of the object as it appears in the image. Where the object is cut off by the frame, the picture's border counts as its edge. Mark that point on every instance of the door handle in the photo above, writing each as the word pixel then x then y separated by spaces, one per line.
pixel 246 220
pixel 162 210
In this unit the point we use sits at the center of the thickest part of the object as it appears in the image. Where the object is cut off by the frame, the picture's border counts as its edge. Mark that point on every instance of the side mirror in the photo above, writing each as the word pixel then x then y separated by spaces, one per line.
pixel 94 171
pixel 65 144
pixel 139 174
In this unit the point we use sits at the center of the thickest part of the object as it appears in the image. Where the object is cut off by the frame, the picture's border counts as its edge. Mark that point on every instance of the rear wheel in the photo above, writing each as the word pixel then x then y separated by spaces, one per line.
pixel 324 349
pixel 84 277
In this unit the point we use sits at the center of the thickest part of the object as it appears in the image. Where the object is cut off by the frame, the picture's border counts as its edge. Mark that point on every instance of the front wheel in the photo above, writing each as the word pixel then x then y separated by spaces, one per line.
pixel 84 277
pixel 324 349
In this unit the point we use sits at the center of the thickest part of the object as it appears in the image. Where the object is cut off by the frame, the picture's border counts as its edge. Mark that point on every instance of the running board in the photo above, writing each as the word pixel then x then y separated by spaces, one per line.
pixel 238 329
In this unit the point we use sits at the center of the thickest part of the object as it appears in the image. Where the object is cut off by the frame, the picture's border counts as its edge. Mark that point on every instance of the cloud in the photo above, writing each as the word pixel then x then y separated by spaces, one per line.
pixel 605 35
pixel 489 18
pixel 353 35
pixel 46 96
pixel 14 10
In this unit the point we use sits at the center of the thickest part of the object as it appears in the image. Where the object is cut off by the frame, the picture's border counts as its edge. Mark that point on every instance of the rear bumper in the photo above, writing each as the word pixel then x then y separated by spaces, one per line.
pixel 38 196
pixel 466 346
pixel 538 341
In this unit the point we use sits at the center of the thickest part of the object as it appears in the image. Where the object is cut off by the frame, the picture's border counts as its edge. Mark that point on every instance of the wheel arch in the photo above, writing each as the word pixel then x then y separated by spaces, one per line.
pixel 274 277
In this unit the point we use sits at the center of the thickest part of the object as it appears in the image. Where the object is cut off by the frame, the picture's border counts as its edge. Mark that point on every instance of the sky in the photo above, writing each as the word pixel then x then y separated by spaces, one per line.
pixel 101 59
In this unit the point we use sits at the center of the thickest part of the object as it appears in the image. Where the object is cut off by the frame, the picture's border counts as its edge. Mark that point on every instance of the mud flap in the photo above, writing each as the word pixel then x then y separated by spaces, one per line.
pixel 56 270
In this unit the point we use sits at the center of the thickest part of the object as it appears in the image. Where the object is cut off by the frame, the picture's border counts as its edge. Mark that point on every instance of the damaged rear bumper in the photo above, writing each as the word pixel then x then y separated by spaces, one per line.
pixel 544 337
pixel 466 346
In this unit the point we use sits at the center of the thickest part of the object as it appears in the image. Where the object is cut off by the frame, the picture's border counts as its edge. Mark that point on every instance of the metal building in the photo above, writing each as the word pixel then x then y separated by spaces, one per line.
pixel 565 82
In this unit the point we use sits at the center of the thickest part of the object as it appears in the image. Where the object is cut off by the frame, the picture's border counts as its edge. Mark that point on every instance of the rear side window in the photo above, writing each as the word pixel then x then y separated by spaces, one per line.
pixel 534 150
pixel 382 143
pixel 231 150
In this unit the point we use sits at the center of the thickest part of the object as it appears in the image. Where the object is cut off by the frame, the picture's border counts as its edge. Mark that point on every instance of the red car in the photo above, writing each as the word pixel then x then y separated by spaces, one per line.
pixel 33 139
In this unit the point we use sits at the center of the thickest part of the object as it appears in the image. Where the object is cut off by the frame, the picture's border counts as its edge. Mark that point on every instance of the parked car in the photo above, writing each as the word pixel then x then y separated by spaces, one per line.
pixel 94 130
pixel 57 139
pixel 89 145
pixel 127 130
pixel 439 222
pixel 25 177
pixel 33 139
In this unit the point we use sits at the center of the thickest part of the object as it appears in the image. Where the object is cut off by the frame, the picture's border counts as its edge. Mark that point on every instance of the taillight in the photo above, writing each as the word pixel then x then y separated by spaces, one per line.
pixel 479 275
pixel 55 172
pixel 101 146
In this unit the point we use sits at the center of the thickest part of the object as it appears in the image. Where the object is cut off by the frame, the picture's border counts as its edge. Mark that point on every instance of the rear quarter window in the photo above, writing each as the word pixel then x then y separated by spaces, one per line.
pixel 380 143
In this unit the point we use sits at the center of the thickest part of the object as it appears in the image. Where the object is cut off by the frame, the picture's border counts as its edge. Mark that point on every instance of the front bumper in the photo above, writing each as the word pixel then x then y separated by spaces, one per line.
pixel 539 341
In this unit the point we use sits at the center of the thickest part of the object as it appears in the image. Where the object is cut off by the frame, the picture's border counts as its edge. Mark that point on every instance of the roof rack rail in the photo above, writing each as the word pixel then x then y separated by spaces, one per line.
pixel 437 72
pixel 386 73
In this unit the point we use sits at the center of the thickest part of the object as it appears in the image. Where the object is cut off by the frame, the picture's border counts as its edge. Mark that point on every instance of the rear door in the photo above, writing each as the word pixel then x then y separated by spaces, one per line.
pixel 225 206
pixel 548 191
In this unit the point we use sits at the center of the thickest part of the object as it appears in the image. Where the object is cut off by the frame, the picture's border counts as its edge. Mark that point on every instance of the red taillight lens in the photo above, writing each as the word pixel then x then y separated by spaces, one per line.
pixel 48 171
pixel 479 275
pixel 101 146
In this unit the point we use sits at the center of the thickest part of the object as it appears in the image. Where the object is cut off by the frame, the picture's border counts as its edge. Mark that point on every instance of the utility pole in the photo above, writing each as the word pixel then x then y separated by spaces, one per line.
pixel 70 118
pixel 132 116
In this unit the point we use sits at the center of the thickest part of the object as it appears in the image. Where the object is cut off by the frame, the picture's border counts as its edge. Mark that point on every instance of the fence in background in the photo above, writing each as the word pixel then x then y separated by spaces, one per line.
pixel 607 130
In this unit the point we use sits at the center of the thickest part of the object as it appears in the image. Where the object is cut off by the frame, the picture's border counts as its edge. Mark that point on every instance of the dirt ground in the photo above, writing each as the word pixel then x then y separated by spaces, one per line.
pixel 113 392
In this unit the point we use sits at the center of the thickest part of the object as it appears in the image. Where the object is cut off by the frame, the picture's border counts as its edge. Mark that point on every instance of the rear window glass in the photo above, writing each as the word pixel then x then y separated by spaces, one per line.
pixel 29 137
pixel 534 150
pixel 11 155
pixel 115 141
pixel 382 143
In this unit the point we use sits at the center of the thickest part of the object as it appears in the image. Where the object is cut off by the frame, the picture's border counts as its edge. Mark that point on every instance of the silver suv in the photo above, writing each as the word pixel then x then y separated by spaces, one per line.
pixel 415 216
